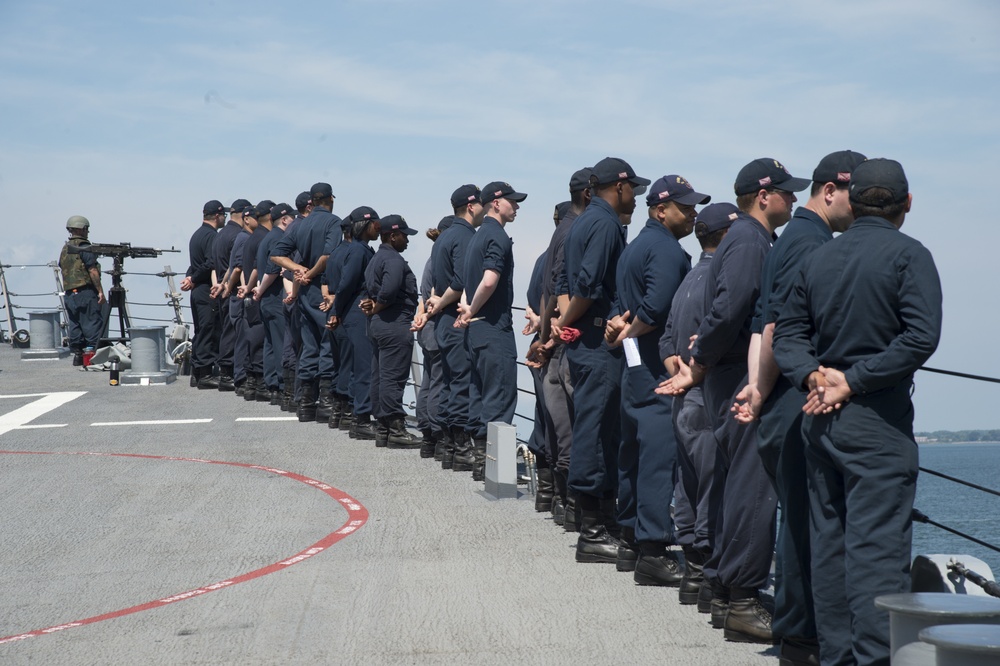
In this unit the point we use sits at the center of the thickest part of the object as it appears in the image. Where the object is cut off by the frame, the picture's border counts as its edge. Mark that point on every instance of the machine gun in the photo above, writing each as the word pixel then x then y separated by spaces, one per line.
pixel 116 295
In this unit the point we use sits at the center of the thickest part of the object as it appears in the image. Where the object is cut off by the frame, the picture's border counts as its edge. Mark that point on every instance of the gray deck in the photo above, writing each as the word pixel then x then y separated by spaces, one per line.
pixel 437 575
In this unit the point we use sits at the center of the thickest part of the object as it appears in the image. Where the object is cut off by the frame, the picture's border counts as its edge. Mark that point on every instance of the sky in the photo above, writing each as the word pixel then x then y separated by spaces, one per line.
pixel 135 114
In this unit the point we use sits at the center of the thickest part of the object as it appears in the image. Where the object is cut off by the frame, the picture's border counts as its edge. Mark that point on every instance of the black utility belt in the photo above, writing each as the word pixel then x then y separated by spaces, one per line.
pixel 76 290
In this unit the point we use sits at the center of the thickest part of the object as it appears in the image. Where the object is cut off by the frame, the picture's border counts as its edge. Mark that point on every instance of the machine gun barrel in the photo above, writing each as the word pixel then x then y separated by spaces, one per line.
pixel 119 250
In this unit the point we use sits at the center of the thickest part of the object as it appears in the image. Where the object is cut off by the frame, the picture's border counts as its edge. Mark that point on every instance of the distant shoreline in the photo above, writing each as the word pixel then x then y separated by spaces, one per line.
pixel 934 442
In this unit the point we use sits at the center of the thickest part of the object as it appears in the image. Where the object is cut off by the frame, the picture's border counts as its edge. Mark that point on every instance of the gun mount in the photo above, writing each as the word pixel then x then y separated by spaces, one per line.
pixel 116 294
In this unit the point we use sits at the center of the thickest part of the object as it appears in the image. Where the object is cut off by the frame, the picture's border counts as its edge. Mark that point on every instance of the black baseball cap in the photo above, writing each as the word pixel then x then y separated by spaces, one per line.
pixel 675 188
pixel 715 217
pixel 263 208
pixel 321 191
pixel 500 190
pixel 396 223
pixel 580 180
pixel 612 169
pixel 302 200
pixel 360 213
pixel 880 172
pixel 464 195
pixel 214 207
pixel 240 205
pixel 837 167
pixel 446 222
pixel 767 173
pixel 281 210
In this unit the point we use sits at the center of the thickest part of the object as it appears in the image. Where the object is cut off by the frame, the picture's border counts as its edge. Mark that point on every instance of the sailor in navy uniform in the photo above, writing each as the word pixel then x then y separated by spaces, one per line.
pixel 649 272
pixel 865 315
pixel 221 250
pixel 199 280
pixel 489 295
pixel 391 304
pixel 293 335
pixel 270 294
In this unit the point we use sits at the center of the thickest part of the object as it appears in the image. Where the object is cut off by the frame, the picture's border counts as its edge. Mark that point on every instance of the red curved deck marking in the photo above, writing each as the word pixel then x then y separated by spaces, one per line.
pixel 357 516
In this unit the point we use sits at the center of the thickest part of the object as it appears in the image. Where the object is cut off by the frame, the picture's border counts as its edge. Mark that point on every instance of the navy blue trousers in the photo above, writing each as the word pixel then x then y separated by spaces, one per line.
pixel 494 375
pixel 239 360
pixel 392 350
pixel 345 363
pixel 432 387
pixel 596 375
pixel 255 336
pixel 316 354
pixel 293 339
pixel 779 440
pixel 85 319
pixel 862 465
pixel 558 388
pixel 696 457
pixel 227 335
pixel 205 313
pixel 647 457
pixel 355 325
pixel 457 366
pixel 272 311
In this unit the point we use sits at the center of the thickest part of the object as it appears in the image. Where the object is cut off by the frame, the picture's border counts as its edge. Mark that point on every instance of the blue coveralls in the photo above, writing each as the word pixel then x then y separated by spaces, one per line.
pixel 251 308
pixel 389 280
pixel 314 237
pixel 237 313
pixel 779 434
pixel 344 354
pixel 868 304
pixel 350 291
pixel 432 387
pixel 592 250
pixel 272 311
pixel 293 338
pixel 649 272
pixel 491 332
pixel 221 250
pixel 204 308
pixel 447 267
pixel 541 441
pixel 744 528
pixel 696 445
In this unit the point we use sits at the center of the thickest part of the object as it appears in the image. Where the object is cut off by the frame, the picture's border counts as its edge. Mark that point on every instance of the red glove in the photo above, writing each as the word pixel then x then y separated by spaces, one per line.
pixel 569 334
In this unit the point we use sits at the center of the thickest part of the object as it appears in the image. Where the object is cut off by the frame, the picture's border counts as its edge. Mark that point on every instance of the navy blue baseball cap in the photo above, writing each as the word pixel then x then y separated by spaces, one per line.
pixel 837 167
pixel 214 207
pixel 321 191
pixel 281 210
pixel 612 169
pixel 396 223
pixel 465 195
pixel 580 180
pixel 446 222
pixel 675 188
pixel 715 217
pixel 880 172
pixel 263 208
pixel 240 205
pixel 302 200
pixel 767 173
pixel 500 190
pixel 358 214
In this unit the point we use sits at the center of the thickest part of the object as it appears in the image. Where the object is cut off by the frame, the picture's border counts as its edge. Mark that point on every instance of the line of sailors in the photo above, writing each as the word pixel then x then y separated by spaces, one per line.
pixel 676 406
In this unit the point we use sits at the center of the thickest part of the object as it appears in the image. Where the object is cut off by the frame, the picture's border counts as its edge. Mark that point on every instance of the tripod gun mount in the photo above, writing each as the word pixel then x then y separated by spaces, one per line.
pixel 116 295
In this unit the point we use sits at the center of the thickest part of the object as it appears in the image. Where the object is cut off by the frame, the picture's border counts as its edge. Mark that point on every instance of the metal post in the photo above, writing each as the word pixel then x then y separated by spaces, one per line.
pixel 8 306
pixel 173 295
pixel 46 341
pixel 148 358
pixel 61 293
pixel 501 460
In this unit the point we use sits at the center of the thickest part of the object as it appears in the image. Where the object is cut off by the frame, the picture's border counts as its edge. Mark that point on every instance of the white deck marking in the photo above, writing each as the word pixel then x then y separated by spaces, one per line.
pixel 46 403
pixel 42 425
pixel 267 418
pixel 165 422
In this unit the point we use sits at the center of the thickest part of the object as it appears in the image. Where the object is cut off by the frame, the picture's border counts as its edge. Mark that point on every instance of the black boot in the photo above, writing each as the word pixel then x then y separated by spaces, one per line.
pixel 362 427
pixel 288 394
pixel 657 566
pixel 307 403
pixel 399 436
pixel 263 393
pixel 77 357
pixel 595 543
pixel 226 383
pixel 479 453
pixel 464 458
pixel 206 381
pixel 450 443
pixel 382 432
pixel 545 490
pixel 571 520
pixel 250 387
pixel 719 606
pixel 428 444
pixel 337 411
pixel 443 446
pixel 747 620
pixel 347 417
pixel 609 516
pixel 559 500
pixel 275 399
pixel 324 406
pixel 628 553
pixel 694 563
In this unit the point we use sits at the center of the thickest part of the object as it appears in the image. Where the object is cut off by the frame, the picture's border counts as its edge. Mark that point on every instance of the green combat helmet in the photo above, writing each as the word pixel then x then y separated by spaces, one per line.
pixel 78 222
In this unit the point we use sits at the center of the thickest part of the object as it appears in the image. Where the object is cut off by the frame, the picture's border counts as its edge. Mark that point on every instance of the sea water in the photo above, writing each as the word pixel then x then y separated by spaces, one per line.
pixel 965 509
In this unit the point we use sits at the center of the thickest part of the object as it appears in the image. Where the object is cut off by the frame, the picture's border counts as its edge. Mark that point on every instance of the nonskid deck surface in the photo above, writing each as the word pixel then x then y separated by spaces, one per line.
pixel 310 548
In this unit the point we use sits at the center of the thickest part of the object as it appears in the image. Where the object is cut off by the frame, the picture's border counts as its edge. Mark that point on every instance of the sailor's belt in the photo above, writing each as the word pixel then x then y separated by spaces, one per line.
pixel 86 287
pixel 600 323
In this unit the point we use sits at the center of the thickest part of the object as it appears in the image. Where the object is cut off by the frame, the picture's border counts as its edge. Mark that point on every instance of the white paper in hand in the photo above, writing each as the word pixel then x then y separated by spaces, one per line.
pixel 631 352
